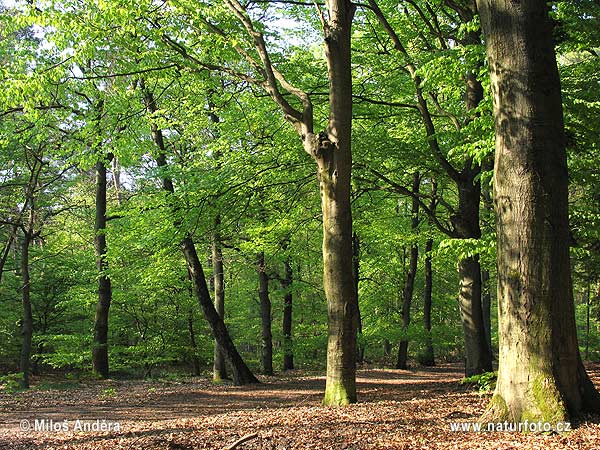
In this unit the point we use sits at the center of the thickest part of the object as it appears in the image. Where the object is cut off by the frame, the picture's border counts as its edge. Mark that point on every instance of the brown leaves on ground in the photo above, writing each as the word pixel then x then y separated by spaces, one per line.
pixel 398 409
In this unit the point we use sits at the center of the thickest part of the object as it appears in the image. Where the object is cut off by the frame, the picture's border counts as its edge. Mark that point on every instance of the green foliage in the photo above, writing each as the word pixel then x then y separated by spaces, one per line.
pixel 485 382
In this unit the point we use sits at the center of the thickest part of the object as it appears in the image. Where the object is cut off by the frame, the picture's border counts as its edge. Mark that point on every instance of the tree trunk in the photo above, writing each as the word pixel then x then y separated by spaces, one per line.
pixel 27 323
pixel 241 373
pixel 219 366
pixel 288 352
pixel 332 152
pixel 195 360
pixel 486 305
pixel 428 358
pixel 265 316
pixel 360 349
pixel 100 346
pixel 477 355
pixel 541 376
pixel 409 282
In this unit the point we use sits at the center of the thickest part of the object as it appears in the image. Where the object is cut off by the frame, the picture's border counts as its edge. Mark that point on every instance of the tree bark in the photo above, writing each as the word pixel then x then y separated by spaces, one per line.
pixel 219 366
pixel 265 316
pixel 27 321
pixel 100 346
pixel 288 349
pixel 541 376
pixel 409 282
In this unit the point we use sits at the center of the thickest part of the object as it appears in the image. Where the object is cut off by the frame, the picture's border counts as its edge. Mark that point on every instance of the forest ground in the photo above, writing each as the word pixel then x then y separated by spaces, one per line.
pixel 398 409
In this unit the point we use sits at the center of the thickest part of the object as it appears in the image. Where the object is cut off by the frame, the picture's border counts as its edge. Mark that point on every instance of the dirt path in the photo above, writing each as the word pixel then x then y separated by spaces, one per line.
pixel 397 410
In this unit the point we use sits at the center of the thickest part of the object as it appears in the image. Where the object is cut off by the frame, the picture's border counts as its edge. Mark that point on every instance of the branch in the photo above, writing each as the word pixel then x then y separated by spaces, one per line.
pixel 404 191
pixel 384 103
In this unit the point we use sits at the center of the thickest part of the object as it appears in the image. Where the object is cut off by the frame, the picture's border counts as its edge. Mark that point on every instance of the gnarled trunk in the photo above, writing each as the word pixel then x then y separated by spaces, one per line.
pixel 541 376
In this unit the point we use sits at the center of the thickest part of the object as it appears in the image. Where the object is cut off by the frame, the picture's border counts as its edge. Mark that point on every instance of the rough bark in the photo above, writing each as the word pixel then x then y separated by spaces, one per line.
pixel 541 376
pixel 265 316
pixel 241 373
pixel 100 345
pixel 27 320
pixel 219 366
pixel 288 346
pixel 409 282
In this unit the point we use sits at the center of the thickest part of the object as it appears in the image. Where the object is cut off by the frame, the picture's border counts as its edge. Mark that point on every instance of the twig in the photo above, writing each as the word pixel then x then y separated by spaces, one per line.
pixel 241 441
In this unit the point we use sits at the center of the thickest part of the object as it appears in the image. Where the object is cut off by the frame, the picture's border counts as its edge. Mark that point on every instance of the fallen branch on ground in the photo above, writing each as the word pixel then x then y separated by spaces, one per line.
pixel 241 441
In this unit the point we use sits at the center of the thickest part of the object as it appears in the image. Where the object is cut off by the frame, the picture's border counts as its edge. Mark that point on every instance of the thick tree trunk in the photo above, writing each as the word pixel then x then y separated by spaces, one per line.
pixel 27 321
pixel 241 372
pixel 409 282
pixel 332 152
pixel 288 349
pixel 219 366
pixel 541 376
pixel 100 345
pixel 428 358
pixel 265 316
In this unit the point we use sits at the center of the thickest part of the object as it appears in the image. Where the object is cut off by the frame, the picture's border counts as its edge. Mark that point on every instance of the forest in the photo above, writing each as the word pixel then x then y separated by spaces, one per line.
pixel 299 224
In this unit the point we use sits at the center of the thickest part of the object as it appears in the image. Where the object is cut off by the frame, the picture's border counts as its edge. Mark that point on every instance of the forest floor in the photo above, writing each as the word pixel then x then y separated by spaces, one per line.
pixel 398 409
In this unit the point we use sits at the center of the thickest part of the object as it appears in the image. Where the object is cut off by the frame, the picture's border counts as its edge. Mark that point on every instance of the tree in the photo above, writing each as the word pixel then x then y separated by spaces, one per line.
pixel 100 345
pixel 331 151
pixel 464 174
pixel 541 376
pixel 409 282
pixel 241 372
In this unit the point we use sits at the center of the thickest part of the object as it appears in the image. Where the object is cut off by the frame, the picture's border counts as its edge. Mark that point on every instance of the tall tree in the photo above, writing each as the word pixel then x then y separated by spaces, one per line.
pixel 465 216
pixel 331 151
pixel 541 376
pixel 219 366
pixel 286 284
pixel 241 372
pixel 100 345
pixel 265 315
pixel 409 282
